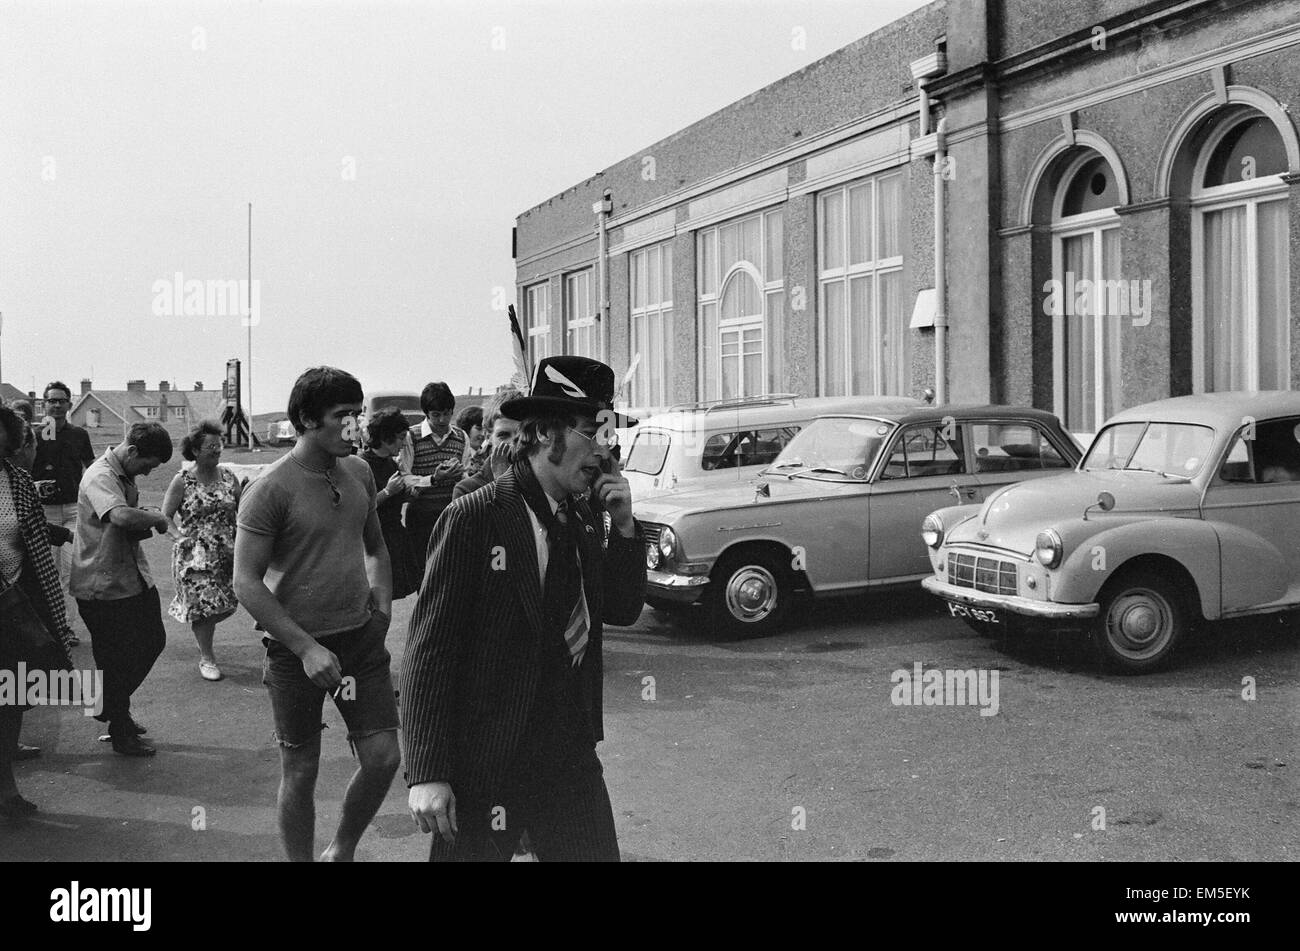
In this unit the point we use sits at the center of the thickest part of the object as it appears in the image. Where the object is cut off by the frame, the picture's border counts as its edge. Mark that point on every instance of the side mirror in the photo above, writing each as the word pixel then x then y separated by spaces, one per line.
pixel 1105 502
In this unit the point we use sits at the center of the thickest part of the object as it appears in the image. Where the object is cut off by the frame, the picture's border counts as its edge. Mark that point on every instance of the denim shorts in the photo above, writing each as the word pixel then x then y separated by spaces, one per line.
pixel 366 701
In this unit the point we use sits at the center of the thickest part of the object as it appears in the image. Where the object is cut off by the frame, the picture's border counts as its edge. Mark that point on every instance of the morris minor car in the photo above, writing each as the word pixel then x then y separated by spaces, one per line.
pixel 1183 510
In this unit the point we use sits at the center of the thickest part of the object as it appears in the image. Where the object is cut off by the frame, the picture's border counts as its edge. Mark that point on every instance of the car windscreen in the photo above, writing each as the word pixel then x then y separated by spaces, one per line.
pixel 648 452
pixel 1178 449
pixel 837 449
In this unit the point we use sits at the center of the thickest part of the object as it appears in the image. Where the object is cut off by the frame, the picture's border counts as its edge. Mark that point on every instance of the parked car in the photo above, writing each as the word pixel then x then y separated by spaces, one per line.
pixel 280 433
pixel 1183 510
pixel 407 401
pixel 726 442
pixel 832 514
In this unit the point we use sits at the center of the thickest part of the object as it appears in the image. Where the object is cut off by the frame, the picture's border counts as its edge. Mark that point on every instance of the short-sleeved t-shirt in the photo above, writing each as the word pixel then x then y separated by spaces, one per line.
pixel 318 560
pixel 107 563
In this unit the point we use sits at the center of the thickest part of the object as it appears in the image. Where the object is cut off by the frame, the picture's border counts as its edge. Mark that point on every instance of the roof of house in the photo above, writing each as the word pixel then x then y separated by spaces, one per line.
pixel 126 404
pixel 9 393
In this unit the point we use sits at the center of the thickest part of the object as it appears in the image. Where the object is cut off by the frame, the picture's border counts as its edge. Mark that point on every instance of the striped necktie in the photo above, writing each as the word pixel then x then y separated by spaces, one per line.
pixel 575 631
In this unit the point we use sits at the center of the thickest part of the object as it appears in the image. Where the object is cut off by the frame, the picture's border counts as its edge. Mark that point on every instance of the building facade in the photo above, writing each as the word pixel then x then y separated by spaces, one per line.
pixel 1114 186
pixel 107 414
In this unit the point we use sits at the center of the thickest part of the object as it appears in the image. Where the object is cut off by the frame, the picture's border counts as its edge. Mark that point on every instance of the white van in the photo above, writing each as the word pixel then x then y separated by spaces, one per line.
pixel 727 441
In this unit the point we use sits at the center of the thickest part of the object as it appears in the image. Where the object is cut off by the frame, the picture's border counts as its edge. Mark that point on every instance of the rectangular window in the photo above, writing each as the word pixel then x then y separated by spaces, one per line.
pixel 740 308
pixel 862 333
pixel 1013 447
pixel 582 332
pixel 923 451
pixel 537 314
pixel 751 448
pixel 652 325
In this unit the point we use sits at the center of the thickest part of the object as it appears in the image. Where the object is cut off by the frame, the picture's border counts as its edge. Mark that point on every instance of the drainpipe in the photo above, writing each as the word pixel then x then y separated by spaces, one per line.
pixel 602 210
pixel 933 145
pixel 940 271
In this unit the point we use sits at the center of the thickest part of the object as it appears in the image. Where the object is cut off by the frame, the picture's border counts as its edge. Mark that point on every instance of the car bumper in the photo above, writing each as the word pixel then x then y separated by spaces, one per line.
pixel 683 589
pixel 1013 604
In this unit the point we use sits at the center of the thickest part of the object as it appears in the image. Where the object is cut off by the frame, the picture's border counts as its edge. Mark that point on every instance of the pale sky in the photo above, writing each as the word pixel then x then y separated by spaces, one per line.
pixel 133 135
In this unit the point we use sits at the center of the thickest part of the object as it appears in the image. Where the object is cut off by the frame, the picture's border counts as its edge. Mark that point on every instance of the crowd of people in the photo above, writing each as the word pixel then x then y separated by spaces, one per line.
pixel 512 524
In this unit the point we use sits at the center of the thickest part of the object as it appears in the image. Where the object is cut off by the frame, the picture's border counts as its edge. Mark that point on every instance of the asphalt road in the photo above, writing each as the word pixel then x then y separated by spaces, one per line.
pixel 788 747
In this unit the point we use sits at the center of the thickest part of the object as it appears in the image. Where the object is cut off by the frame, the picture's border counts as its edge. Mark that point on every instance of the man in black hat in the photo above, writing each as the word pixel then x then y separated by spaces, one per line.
pixel 502 677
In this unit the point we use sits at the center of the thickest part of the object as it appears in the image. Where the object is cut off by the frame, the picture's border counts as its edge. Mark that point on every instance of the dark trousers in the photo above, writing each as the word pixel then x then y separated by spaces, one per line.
pixel 419 526
pixel 566 814
pixel 556 792
pixel 127 635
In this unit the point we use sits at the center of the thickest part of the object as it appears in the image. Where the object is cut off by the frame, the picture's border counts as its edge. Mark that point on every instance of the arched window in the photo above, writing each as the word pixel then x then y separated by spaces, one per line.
pixel 1086 275
pixel 1240 266
pixel 740 325
pixel 740 283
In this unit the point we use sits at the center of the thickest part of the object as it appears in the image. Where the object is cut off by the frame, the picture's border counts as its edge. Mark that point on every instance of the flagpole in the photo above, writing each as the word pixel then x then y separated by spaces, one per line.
pixel 249 412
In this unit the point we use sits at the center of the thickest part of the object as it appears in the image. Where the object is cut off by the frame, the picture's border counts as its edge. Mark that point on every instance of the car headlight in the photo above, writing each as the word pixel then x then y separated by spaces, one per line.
pixel 1048 549
pixel 667 543
pixel 651 557
pixel 932 531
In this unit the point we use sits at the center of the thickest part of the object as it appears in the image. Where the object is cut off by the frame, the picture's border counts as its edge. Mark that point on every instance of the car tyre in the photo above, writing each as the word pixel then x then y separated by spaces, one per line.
pixel 1142 619
pixel 749 594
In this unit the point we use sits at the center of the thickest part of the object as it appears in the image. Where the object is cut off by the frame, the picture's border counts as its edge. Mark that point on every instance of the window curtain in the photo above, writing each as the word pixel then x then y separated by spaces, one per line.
pixel 1224 299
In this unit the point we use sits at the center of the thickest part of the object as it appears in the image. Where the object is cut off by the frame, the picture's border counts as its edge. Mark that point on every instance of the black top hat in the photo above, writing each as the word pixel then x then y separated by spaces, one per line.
pixel 568 385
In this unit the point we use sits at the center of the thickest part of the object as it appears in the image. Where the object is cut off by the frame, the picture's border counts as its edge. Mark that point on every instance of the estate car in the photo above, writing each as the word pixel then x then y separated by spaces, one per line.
pixel 726 442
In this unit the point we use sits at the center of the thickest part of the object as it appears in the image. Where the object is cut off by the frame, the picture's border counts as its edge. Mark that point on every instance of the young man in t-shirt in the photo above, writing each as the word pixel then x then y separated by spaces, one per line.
pixel 312 568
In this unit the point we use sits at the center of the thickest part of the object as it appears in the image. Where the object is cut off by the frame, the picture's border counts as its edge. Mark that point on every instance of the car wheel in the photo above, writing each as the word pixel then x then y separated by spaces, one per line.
pixel 749 594
pixel 1142 619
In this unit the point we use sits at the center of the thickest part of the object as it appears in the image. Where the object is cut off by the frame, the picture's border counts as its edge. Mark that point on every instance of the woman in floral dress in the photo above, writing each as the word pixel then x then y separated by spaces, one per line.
pixel 203 500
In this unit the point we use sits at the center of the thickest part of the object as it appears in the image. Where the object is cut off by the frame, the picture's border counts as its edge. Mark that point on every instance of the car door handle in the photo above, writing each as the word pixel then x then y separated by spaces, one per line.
pixel 956 492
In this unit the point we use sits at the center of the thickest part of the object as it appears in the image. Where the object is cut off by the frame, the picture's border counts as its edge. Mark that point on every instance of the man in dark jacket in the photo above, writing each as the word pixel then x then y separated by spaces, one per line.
pixel 502 677
pixel 63 454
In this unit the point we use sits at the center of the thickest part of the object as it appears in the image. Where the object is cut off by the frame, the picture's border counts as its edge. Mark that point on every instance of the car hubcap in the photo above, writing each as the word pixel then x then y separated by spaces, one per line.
pixel 751 594
pixel 1140 623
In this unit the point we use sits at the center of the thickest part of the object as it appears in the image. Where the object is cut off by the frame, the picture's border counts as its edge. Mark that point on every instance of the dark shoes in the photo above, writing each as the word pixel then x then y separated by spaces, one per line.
pixel 136 729
pixel 132 746
pixel 16 807
pixel 27 752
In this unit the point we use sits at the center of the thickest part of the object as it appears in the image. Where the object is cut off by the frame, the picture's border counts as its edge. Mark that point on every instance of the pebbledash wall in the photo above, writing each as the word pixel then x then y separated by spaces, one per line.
pixel 786 243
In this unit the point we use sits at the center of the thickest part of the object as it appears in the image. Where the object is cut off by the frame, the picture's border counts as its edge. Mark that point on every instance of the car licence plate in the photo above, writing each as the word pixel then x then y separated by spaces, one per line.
pixel 987 615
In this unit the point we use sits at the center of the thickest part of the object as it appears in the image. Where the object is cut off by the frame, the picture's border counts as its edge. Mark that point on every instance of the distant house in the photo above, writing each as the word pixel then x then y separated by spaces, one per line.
pixel 9 393
pixel 106 413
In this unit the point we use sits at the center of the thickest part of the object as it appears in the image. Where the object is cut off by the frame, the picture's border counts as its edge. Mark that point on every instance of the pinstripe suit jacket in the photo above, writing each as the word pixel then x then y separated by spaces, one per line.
pixel 475 645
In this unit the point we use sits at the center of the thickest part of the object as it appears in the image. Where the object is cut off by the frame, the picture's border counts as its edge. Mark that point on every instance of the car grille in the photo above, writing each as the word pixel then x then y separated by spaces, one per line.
pixel 651 533
pixel 983 574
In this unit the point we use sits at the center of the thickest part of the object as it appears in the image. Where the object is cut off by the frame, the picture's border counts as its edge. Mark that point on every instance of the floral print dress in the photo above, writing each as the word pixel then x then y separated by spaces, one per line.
pixel 203 558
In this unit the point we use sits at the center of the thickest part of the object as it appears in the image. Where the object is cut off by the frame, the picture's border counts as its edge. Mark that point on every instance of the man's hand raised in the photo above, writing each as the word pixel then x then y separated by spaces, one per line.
pixel 434 807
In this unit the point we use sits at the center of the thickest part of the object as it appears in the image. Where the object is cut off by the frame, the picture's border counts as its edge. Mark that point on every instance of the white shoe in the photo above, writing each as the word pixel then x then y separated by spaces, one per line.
pixel 209 670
